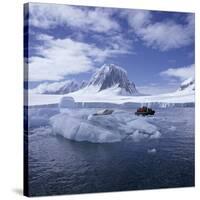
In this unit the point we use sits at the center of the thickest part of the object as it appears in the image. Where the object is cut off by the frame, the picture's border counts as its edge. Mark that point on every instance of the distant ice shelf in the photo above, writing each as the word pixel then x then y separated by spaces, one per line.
pixel 176 99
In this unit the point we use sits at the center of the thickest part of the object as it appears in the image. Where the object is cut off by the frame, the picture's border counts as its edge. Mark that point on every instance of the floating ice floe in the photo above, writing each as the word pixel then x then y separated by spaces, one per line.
pixel 151 151
pixel 172 128
pixel 103 128
pixel 137 136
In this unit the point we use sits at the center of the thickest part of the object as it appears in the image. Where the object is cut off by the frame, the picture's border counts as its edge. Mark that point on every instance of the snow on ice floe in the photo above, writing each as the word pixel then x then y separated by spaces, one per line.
pixel 115 127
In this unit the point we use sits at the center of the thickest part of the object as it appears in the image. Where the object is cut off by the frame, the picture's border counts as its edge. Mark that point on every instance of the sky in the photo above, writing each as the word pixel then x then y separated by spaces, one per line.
pixel 64 42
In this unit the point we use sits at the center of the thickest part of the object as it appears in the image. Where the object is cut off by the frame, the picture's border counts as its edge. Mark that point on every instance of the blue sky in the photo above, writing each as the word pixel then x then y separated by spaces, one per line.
pixel 69 42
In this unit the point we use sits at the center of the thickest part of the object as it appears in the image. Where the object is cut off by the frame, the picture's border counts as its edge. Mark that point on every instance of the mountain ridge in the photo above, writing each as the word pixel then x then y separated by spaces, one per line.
pixel 187 86
pixel 60 87
pixel 112 75
pixel 107 77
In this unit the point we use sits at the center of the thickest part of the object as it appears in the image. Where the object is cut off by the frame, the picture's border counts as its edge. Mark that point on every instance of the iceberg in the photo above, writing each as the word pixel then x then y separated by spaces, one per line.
pixel 118 126
pixel 143 126
pixel 40 116
pixel 137 136
pixel 67 102
pixel 80 130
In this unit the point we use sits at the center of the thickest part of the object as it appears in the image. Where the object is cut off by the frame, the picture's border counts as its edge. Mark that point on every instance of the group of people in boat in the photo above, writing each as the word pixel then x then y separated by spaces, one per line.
pixel 144 111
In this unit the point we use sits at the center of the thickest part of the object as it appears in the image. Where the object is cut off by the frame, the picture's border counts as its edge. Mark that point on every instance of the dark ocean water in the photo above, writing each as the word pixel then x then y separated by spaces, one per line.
pixel 60 166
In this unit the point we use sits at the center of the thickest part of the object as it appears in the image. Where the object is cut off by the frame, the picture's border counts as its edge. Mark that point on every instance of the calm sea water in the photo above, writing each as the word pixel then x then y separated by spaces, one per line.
pixel 60 166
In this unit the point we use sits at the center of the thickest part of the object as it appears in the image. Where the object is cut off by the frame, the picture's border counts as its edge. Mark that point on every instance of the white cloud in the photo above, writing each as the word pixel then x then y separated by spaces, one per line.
pixel 57 58
pixel 117 44
pixel 181 73
pixel 174 78
pixel 163 35
pixel 51 15
pixel 137 19
pixel 168 35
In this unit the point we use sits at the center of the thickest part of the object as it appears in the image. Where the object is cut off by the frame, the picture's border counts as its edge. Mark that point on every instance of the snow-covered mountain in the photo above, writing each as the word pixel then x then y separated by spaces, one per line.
pixel 112 76
pixel 188 85
pixel 107 79
pixel 90 96
pixel 83 84
pixel 62 87
pixel 110 81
